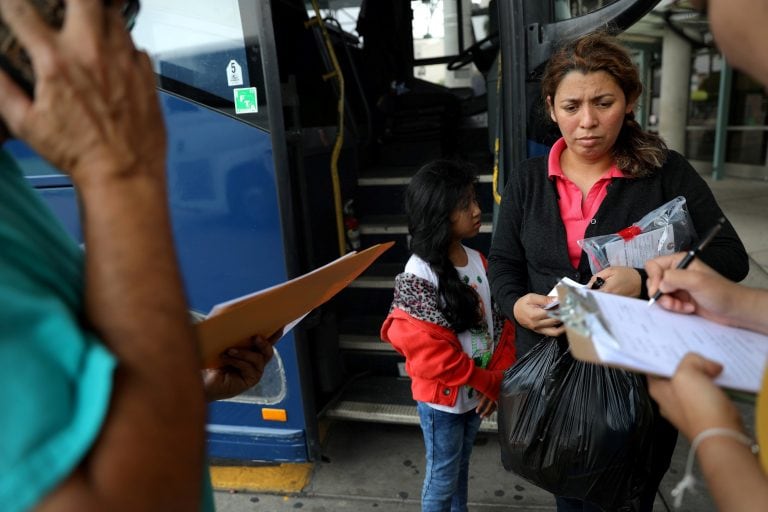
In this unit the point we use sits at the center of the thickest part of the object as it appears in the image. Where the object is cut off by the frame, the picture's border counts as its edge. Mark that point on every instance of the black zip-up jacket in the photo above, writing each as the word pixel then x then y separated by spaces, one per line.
pixel 529 254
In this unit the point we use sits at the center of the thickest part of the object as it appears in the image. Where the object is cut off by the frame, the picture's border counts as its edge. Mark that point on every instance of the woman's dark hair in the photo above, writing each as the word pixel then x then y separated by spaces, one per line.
pixel 636 152
pixel 439 188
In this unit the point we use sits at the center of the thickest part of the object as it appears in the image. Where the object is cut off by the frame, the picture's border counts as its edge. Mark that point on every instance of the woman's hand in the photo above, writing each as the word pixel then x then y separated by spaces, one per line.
pixel 529 312
pixel 624 281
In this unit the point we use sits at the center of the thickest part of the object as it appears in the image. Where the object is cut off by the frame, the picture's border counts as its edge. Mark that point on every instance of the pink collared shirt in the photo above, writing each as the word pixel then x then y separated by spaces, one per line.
pixel 575 211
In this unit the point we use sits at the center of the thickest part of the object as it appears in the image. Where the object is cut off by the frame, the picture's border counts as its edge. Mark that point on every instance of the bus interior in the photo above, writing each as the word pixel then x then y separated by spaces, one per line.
pixel 422 81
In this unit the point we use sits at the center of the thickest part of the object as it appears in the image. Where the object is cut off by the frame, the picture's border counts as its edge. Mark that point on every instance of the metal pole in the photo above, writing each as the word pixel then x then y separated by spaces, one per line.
pixel 721 126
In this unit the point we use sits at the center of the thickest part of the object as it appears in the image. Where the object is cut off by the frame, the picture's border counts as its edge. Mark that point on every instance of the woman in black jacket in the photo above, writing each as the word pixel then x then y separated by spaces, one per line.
pixel 603 174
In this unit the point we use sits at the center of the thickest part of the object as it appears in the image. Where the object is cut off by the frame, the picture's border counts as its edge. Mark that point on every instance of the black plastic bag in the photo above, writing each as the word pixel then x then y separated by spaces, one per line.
pixel 576 429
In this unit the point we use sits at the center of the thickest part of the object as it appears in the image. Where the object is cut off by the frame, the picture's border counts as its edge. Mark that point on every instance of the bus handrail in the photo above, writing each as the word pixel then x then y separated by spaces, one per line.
pixel 317 20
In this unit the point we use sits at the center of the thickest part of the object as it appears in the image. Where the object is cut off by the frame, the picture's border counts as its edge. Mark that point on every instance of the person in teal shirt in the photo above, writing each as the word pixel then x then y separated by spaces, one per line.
pixel 101 393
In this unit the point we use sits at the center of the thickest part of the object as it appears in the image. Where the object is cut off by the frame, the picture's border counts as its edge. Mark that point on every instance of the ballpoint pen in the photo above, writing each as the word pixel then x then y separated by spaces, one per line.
pixel 690 255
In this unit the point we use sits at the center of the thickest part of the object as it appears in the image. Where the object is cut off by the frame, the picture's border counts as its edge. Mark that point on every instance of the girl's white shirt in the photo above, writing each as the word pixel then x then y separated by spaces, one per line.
pixel 477 343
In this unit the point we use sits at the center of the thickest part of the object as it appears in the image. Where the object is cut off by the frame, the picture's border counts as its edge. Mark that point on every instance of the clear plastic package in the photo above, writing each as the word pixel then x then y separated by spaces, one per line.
pixel 665 230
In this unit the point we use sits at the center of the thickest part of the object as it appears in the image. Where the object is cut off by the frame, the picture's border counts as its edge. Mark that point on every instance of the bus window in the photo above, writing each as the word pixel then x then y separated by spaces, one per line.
pixel 271 389
pixel 442 29
pixel 206 52
pixel 207 56
pixel 344 12
pixel 565 9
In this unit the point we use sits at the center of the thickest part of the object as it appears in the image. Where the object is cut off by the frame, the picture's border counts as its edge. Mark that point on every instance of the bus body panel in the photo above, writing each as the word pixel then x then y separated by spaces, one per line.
pixel 228 235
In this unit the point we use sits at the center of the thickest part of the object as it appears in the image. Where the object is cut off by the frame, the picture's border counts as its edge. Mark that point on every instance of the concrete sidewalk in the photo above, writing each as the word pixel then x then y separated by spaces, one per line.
pixel 745 203
pixel 379 467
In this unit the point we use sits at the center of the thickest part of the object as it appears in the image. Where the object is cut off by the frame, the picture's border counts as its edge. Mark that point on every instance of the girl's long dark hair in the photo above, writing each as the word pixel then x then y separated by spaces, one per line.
pixel 439 188
pixel 637 152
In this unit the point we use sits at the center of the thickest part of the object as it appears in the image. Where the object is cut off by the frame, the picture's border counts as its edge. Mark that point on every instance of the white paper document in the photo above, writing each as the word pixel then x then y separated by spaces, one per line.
pixel 553 291
pixel 635 252
pixel 626 332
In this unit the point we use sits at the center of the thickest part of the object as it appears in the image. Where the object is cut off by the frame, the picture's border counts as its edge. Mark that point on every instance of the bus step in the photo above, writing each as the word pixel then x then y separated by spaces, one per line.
pixel 397 224
pixel 383 400
pixel 372 281
pixel 362 342
pixel 399 176
pixel 390 413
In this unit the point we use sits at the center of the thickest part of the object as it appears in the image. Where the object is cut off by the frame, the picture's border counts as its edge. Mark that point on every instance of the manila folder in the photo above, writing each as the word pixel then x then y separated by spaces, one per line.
pixel 263 313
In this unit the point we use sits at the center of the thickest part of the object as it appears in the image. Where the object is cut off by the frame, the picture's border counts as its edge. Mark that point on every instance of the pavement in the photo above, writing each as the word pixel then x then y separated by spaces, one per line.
pixel 379 467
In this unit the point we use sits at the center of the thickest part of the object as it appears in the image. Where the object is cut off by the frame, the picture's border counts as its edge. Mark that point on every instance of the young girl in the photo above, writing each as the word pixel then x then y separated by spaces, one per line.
pixel 455 345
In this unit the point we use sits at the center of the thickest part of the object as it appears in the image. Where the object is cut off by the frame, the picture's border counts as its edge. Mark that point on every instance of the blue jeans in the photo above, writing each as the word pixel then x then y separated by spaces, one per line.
pixel 575 505
pixel 448 439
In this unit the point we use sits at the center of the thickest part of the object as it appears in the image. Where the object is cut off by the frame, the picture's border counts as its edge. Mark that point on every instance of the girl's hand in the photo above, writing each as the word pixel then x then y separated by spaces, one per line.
pixel 485 406
pixel 621 281
pixel 529 312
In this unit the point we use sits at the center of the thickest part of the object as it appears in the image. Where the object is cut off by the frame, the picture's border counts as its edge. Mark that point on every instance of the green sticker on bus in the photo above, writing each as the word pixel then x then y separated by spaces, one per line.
pixel 245 101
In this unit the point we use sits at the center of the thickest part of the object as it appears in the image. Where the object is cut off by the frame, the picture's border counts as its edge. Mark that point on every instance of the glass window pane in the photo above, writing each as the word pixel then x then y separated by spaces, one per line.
pixel 705 86
pixel 271 388
pixel 482 24
pixel 345 12
pixel 746 147
pixel 207 52
pixel 435 28
pixel 748 102
pixel 467 77
pixel 700 144
pixel 565 9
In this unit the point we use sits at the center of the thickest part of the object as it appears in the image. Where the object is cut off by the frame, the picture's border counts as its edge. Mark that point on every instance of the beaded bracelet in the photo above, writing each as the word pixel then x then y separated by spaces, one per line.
pixel 688 481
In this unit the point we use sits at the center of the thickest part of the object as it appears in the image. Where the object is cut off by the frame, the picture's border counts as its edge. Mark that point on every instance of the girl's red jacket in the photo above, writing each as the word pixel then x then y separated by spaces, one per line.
pixel 434 358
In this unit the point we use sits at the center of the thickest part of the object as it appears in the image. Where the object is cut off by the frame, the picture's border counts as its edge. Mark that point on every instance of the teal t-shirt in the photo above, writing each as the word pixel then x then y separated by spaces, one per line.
pixel 57 378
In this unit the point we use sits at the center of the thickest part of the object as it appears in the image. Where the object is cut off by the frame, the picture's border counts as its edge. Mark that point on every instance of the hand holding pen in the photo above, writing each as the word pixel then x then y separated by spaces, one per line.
pixel 690 255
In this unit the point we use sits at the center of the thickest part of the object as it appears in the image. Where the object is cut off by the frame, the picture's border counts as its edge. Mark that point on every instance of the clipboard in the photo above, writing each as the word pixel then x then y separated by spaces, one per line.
pixel 264 312
pixel 625 333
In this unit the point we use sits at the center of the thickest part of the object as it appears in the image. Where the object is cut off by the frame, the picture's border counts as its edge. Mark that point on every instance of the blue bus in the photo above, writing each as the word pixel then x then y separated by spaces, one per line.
pixel 293 127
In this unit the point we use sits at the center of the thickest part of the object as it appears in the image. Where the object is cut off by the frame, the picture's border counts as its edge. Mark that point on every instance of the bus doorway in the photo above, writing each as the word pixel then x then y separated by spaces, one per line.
pixel 421 80
pixel 293 129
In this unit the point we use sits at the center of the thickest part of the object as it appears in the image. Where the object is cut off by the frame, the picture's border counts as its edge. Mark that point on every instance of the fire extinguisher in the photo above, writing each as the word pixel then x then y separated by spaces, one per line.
pixel 351 226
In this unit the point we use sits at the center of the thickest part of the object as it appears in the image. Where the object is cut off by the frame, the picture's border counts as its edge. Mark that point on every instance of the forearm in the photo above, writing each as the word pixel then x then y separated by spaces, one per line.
pixel 726 302
pixel 506 287
pixel 733 474
pixel 508 282
pixel 95 115
pixel 488 382
pixel 748 308
pixel 507 264
pixel 135 302
pixel 131 262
